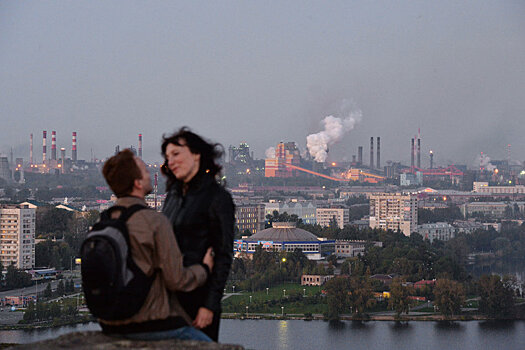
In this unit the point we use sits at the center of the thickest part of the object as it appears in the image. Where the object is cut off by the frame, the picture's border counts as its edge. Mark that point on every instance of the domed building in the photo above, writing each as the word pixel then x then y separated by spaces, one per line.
pixel 285 236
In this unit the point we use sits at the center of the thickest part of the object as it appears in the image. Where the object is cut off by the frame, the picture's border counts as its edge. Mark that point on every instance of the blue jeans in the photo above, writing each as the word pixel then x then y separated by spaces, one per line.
pixel 183 333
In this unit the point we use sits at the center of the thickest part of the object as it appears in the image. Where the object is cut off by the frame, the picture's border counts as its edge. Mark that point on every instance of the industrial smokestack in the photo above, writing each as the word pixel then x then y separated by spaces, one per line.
pixel 360 155
pixel 44 147
pixel 74 147
pixel 412 154
pixel 140 145
pixel 31 150
pixel 372 152
pixel 431 159
pixel 378 152
pixel 54 145
pixel 63 157
pixel 419 153
pixel 353 158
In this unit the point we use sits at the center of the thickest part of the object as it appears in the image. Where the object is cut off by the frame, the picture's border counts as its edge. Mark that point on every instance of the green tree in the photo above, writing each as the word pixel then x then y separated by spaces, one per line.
pixel 400 297
pixel 449 296
pixel 361 294
pixel 16 278
pixel 496 297
pixel 47 291
pixel 60 288
pixel 337 297
pixel 30 313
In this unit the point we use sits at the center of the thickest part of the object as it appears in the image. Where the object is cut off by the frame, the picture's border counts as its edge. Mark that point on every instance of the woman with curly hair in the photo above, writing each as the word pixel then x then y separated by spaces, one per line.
pixel 202 214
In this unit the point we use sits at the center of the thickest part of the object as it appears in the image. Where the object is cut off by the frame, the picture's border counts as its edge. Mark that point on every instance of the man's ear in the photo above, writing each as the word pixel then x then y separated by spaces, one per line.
pixel 137 184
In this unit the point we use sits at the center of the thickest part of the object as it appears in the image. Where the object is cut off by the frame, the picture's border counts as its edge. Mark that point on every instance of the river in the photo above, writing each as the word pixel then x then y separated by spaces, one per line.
pixel 377 335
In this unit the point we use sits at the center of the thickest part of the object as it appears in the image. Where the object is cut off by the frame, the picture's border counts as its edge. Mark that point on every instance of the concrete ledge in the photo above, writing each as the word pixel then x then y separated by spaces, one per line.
pixel 99 341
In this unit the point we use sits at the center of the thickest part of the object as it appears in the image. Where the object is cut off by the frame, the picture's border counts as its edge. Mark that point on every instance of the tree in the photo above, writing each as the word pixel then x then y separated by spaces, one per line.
pixel 16 278
pixel 60 288
pixel 496 297
pixel 449 296
pixel 337 297
pixel 400 297
pixel 361 293
pixel 47 291
pixel 30 313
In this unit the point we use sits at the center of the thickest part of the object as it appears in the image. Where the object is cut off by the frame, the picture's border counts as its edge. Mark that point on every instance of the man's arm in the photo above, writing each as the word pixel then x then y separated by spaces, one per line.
pixel 169 261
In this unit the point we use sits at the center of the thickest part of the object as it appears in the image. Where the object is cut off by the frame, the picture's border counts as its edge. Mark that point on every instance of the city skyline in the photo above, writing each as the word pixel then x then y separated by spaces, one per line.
pixel 263 74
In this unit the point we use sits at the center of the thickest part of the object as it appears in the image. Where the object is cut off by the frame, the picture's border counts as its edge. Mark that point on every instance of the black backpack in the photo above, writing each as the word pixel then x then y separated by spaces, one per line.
pixel 114 286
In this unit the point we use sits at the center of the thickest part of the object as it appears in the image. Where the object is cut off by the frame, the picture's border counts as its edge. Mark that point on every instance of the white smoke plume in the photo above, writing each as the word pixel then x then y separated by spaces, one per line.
pixel 334 129
pixel 270 152
pixel 484 162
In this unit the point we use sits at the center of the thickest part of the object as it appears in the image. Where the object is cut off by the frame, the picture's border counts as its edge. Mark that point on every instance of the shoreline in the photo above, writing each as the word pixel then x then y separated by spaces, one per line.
pixel 385 318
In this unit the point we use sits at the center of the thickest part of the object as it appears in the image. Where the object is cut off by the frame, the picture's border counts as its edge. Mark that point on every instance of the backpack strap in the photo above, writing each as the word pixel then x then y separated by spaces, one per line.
pixel 127 212
pixel 106 214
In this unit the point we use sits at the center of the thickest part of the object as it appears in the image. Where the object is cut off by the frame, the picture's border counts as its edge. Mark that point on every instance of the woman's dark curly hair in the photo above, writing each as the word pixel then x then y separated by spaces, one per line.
pixel 210 153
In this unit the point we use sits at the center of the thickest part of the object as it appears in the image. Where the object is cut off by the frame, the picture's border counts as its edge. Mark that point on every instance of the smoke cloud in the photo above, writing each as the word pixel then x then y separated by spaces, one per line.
pixel 484 162
pixel 334 129
pixel 270 152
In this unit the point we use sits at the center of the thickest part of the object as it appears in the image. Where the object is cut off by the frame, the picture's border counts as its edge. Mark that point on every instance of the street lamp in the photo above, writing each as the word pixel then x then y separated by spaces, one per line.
pixel 282 311
pixel 304 292
pixel 284 293
pixel 250 298
pixel 266 290
pixel 246 310
pixel 233 287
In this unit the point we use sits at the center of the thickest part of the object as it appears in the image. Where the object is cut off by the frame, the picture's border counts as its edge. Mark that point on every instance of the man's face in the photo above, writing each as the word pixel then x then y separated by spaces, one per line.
pixel 146 178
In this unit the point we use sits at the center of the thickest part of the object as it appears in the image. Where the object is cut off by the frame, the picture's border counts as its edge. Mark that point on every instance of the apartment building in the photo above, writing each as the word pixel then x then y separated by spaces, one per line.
pixel 250 217
pixel 17 236
pixel 394 211
pixel 325 215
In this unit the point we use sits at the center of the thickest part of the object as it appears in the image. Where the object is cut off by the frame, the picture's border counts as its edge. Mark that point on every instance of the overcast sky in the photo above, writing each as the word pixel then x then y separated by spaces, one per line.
pixel 264 72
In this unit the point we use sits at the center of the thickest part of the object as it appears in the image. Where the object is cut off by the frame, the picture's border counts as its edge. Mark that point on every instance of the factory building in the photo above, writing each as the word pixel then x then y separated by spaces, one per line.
pixel 285 153
pixel 394 211
pixel 17 236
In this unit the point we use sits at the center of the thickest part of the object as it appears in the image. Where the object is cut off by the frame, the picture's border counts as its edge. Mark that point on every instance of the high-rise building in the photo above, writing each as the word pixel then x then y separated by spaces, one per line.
pixel 394 211
pixel 250 217
pixel 17 236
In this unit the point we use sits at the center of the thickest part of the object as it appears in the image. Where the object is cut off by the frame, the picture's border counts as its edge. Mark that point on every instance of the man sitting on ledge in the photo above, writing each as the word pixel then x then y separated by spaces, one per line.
pixel 153 248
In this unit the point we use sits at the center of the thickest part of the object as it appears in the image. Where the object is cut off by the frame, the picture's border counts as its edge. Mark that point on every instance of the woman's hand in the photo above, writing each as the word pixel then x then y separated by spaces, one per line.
pixel 208 258
pixel 204 318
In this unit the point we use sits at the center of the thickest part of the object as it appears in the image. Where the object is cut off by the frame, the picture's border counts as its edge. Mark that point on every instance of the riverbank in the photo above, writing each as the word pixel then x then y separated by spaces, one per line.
pixel 314 317
pixel 391 318
pixel 47 324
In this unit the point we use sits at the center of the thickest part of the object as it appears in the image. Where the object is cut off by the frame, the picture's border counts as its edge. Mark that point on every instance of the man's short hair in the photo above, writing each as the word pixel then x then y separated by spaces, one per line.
pixel 121 171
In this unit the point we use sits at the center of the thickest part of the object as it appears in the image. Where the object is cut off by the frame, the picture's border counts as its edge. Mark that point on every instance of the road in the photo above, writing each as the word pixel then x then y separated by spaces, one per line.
pixel 41 286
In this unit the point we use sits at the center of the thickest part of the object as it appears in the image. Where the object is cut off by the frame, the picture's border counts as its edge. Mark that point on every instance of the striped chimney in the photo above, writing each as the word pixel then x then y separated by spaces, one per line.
pixel 140 145
pixel 74 147
pixel 44 147
pixel 54 145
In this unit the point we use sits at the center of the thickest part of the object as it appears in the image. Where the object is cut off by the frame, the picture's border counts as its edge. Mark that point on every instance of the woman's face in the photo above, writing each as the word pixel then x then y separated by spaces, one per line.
pixel 182 163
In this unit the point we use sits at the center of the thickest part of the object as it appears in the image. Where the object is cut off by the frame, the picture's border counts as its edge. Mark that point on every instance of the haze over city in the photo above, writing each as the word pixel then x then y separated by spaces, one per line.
pixel 264 73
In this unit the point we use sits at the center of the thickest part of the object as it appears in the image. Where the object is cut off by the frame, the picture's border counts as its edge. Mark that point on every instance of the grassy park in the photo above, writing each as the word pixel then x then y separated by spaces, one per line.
pixel 295 299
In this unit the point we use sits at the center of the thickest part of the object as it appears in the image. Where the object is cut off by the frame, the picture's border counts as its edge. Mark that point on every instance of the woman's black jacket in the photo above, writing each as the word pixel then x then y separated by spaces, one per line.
pixel 201 218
